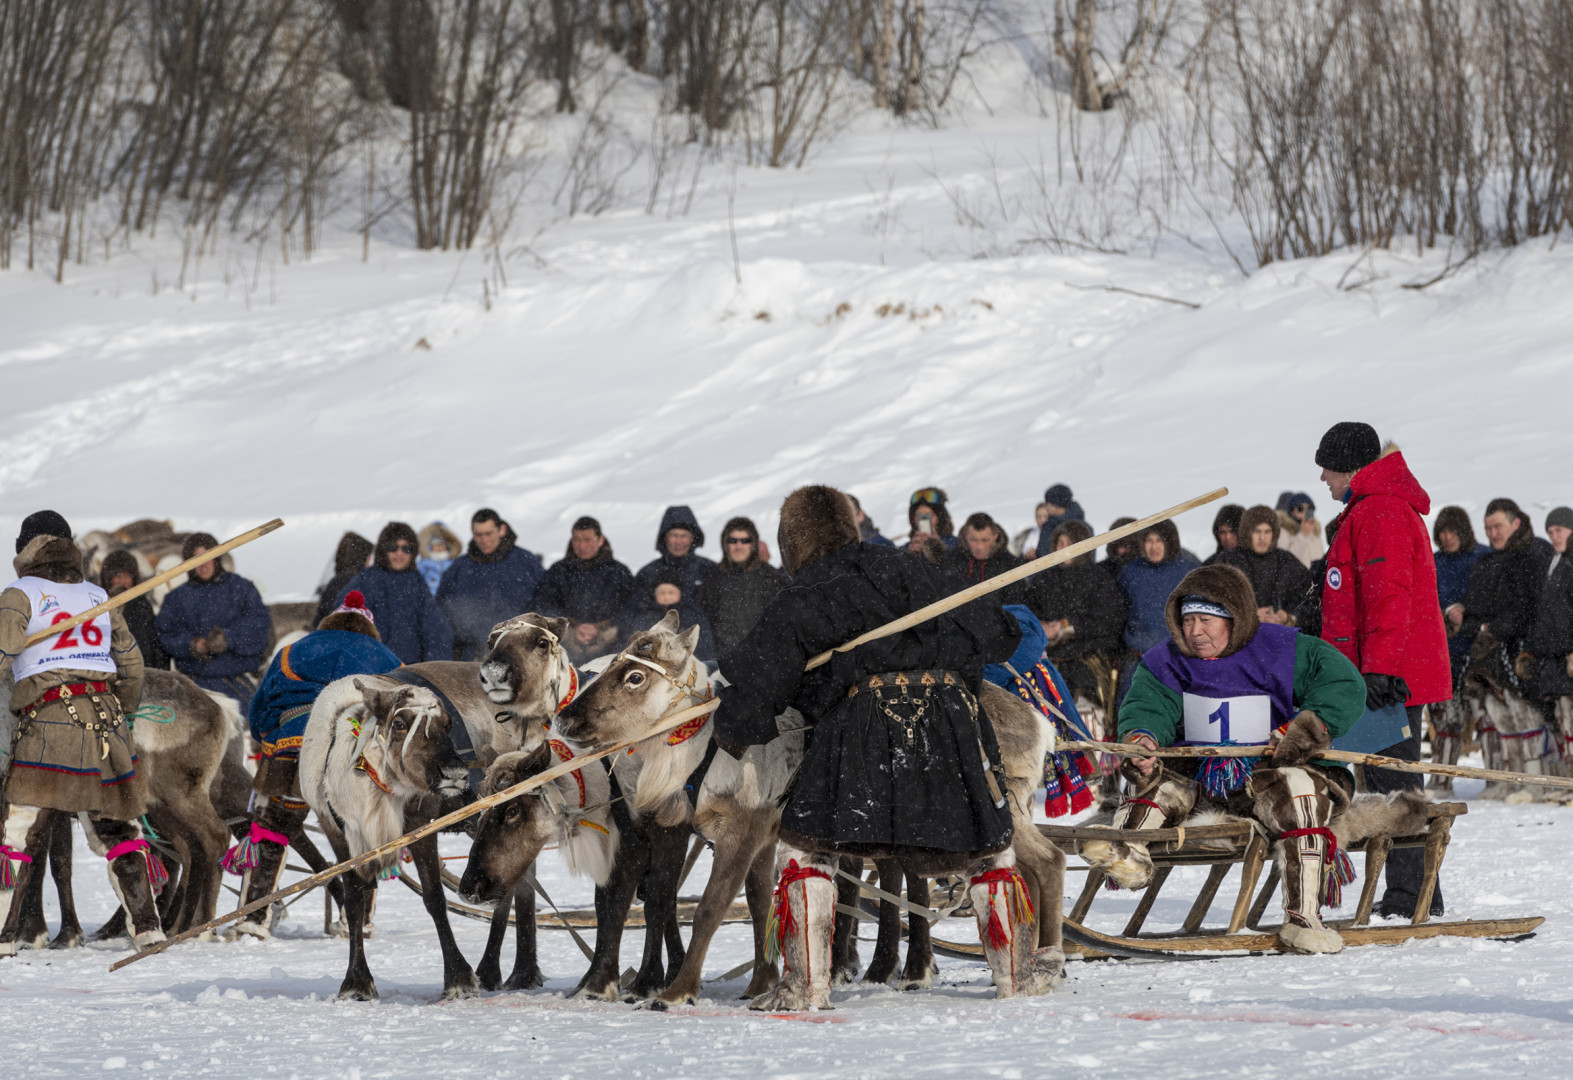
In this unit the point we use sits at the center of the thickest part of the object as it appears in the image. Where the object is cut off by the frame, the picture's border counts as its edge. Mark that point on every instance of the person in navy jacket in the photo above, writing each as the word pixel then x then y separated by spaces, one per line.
pixel 411 623
pixel 215 626
pixel 494 580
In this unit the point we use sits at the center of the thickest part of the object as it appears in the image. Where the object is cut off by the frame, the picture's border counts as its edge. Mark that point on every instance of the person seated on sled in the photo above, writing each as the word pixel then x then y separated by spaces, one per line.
pixel 903 763
pixel 1225 679
pixel 1031 676
pixel 72 750
pixel 345 643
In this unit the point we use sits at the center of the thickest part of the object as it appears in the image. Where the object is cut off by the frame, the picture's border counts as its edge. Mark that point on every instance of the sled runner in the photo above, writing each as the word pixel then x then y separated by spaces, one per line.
pixel 1219 847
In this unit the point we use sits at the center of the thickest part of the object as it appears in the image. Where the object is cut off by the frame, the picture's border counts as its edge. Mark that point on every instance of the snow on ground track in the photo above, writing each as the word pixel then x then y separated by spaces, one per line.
pixel 1447 1007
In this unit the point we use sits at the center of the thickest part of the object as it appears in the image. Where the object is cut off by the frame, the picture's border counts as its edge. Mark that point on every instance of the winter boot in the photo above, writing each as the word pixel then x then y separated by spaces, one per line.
pixel 801 923
pixel 1009 932
pixel 136 874
pixel 260 858
pixel 16 867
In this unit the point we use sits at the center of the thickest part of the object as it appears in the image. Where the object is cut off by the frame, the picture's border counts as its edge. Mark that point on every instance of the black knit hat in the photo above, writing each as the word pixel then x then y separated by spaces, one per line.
pixel 1348 446
pixel 41 523
pixel 1562 515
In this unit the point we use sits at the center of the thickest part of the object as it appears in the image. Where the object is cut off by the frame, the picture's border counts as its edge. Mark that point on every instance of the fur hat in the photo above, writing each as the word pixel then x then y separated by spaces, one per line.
pixel 391 534
pixel 352 615
pixel 1224 586
pixel 434 532
pixel 815 521
pixel 1454 519
pixel 1169 533
pixel 53 558
pixel 1076 532
pixel 1348 446
pixel 1257 515
pixel 669 575
pixel 41 523
pixel 119 562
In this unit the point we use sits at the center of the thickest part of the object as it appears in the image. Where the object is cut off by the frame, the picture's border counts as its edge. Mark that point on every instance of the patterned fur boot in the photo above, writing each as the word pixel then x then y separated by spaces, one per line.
pixel 1296 804
pixel 260 858
pixel 1009 932
pixel 802 922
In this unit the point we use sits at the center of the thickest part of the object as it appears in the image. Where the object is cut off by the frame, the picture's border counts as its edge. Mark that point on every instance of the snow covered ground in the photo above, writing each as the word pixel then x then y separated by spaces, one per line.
pixel 1441 1008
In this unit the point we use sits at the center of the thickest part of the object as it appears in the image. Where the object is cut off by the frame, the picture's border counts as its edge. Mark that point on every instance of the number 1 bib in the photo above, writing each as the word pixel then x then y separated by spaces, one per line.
pixel 1245 719
pixel 83 648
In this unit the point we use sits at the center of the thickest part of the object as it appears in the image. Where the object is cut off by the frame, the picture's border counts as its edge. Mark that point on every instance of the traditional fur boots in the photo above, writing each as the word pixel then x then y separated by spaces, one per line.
pixel 1009 932
pixel 1164 797
pixel 801 924
pixel 260 859
pixel 1296 804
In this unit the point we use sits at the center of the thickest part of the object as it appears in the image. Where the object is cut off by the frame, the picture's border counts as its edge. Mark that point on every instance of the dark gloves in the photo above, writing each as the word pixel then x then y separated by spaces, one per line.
pixel 1384 690
pixel 218 642
pixel 1302 739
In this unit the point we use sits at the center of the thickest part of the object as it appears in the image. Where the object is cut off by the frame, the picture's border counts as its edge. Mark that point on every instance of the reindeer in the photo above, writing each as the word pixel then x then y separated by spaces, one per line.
pixel 575 813
pixel 377 756
pixel 736 802
pixel 526 671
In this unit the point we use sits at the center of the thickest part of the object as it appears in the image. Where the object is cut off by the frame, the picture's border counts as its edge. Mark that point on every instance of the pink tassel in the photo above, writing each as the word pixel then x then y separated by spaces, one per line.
pixel 157 876
pixel 7 875
pixel 243 856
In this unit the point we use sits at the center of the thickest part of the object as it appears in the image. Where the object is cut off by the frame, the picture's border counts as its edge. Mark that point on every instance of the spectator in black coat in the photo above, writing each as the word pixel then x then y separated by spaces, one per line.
pixel 1456 555
pixel 590 589
pixel 677 541
pixel 742 586
pixel 984 552
pixel 1550 643
pixel 118 574
pixel 215 626
pixel 1082 613
pixel 1505 585
pixel 352 556
pixel 1119 554
pixel 667 596
pixel 1279 580
pixel 407 615
pixel 493 581
pixel 1226 530
pixel 1062 507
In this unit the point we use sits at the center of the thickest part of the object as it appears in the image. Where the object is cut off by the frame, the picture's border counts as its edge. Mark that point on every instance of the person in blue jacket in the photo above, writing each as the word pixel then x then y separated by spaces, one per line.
pixel 345 643
pixel 490 583
pixel 1456 553
pixel 1146 583
pixel 668 595
pixel 408 618
pixel 215 626
pixel 677 541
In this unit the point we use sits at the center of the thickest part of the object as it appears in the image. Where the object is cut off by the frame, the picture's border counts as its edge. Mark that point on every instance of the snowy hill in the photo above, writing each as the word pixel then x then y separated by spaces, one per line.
pixel 621 366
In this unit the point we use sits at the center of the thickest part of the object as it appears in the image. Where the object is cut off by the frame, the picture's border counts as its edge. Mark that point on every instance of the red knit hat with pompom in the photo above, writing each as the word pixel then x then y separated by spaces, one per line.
pixel 355 604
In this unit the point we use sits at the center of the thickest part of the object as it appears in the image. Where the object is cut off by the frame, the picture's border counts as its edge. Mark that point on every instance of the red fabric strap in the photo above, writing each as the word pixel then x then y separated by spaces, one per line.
pixel 69 690
pixel 125 847
pixel 13 855
pixel 1324 833
pixel 1143 802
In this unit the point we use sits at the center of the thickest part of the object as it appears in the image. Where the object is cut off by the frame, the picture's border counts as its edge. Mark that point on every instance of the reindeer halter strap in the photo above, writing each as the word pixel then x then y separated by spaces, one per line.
pixel 689 687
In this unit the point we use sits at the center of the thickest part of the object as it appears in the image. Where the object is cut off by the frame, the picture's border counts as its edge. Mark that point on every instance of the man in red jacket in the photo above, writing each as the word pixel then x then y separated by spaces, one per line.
pixel 1379 609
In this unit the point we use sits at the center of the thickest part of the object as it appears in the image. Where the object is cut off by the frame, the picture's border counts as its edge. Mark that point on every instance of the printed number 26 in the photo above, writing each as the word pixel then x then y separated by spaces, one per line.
pixel 91 635
pixel 1221 718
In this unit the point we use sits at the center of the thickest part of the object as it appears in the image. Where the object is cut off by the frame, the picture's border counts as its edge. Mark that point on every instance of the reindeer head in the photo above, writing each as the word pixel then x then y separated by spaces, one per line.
pixel 406 736
pixel 631 694
pixel 525 669
pixel 509 836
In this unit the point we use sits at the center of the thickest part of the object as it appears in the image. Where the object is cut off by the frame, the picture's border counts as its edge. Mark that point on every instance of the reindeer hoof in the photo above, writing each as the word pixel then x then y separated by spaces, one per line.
pixel 490 978
pixel 461 989
pixel 657 1005
pixel 146 938
pixel 248 928
pixel 789 997
pixel 923 981
pixel 607 991
pixel 7 948
pixel 74 940
pixel 525 980
pixel 1520 797
pixel 366 991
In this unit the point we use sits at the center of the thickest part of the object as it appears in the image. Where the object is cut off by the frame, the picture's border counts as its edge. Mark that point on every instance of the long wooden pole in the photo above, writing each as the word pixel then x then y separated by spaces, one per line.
pixel 154 582
pixel 562 768
pixel 1010 577
pixel 1373 760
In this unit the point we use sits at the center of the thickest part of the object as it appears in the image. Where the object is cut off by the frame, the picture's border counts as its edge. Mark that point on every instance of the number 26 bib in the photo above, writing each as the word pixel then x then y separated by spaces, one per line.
pixel 1246 719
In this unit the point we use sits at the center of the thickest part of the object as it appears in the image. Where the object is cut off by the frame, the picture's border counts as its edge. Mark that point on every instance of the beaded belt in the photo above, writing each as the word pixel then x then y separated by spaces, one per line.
pixel 906 680
pixel 101 724
pixel 69 691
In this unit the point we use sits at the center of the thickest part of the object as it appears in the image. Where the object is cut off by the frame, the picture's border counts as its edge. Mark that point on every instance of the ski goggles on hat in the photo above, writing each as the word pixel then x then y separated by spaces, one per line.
pixel 928 497
pixel 1200 605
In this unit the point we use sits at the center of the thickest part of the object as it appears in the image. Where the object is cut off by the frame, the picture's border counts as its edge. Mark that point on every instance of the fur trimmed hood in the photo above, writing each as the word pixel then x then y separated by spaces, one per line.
pixel 1454 519
pixel 53 558
pixel 815 521
pixel 438 531
pixel 1258 515
pixel 1222 584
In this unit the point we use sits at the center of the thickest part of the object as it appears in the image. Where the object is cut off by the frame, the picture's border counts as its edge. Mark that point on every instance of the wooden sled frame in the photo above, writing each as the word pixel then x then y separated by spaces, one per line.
pixel 1200 846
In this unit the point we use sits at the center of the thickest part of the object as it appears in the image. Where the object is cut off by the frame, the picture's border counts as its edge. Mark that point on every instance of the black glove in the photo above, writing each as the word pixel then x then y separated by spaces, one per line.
pixel 1384 690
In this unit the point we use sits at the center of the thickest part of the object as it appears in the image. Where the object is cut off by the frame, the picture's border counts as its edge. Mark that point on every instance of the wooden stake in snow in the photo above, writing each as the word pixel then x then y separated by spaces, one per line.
pixel 1375 761
pixel 154 582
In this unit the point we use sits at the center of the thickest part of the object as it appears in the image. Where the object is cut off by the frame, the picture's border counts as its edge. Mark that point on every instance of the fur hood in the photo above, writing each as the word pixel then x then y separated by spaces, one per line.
pixel 1076 532
pixel 438 531
pixel 1171 542
pixel 1258 515
pixel 1222 584
pixel 1454 519
pixel 1229 514
pixel 743 525
pixel 53 558
pixel 1289 527
pixel 815 521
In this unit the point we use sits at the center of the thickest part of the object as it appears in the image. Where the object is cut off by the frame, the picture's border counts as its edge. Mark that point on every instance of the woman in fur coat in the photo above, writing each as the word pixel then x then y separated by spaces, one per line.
pixel 1223 678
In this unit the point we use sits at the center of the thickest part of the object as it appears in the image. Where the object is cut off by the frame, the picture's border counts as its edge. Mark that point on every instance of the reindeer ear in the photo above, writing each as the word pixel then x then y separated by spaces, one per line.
pixel 669 623
pixel 559 627
pixel 681 647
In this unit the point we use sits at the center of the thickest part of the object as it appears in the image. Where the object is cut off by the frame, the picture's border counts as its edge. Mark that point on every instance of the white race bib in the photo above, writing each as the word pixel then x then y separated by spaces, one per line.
pixel 85 647
pixel 1244 720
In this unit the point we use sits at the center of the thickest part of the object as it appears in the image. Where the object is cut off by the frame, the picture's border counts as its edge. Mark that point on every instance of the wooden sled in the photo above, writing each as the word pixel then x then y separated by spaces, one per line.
pixel 1219 848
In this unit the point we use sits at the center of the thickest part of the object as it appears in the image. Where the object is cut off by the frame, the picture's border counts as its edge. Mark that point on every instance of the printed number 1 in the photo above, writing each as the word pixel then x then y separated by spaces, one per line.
pixel 1221 717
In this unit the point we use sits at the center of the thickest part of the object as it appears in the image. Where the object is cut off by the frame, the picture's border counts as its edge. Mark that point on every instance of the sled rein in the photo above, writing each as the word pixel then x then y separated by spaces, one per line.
pixel 666 724
pixel 121 599
pixel 1375 761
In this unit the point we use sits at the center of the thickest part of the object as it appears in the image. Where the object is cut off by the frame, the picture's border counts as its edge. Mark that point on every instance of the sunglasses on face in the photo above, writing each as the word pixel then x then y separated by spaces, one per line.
pixel 739 540
pixel 928 497
pixel 402 547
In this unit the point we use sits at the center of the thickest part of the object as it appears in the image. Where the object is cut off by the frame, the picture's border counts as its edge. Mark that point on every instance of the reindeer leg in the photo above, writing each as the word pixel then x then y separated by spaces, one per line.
pixel 70 935
pixel 612 902
pixel 887 950
pixel 458 980
pixel 488 973
pixel 32 932
pixel 759 887
pixel 920 970
pixel 526 974
pixel 743 836
pixel 668 847
pixel 358 984
pixel 18 831
pixel 844 931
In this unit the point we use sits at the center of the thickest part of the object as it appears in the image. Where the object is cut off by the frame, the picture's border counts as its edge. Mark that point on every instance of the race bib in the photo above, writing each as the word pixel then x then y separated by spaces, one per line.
pixel 82 648
pixel 1245 720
